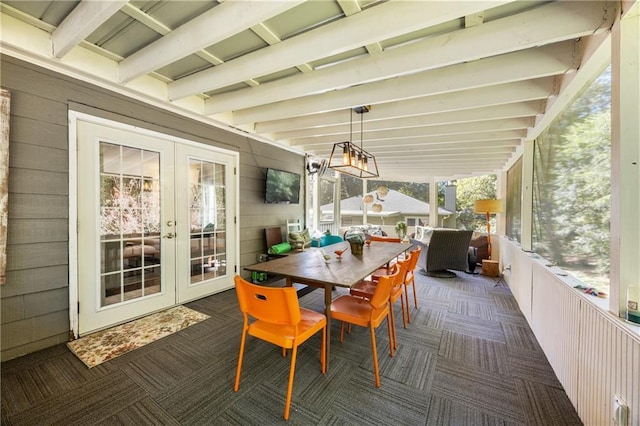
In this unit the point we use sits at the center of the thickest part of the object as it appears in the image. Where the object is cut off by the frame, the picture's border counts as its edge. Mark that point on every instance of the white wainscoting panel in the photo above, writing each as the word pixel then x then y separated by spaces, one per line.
pixel 610 365
pixel 518 276
pixel 594 354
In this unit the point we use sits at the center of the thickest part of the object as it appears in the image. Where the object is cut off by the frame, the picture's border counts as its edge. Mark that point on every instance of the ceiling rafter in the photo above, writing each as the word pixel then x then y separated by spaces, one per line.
pixel 538 62
pixel 499 94
pixel 228 18
pixel 424 131
pixel 82 21
pixel 426 141
pixel 454 87
pixel 339 36
pixel 460 46
pixel 514 110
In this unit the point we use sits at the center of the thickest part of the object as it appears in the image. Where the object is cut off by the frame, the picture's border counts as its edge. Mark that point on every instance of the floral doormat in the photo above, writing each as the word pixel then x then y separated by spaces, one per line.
pixel 96 348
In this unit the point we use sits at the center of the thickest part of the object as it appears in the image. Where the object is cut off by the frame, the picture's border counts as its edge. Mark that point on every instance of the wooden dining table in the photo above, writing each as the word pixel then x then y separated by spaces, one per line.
pixel 309 267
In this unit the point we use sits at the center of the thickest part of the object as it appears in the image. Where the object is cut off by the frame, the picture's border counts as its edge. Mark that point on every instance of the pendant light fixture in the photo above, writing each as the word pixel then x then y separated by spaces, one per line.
pixel 348 158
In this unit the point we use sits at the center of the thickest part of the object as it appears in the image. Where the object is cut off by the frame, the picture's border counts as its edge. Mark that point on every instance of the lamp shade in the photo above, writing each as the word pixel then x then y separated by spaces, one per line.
pixel 488 206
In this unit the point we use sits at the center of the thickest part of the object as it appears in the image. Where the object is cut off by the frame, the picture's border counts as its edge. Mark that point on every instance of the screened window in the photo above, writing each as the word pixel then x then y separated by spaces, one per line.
pixel 468 191
pixel 514 202
pixel 572 186
pixel 350 200
pixel 325 198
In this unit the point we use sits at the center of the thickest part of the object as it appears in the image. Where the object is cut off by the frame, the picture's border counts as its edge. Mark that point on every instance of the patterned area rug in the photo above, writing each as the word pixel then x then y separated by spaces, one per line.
pixel 102 346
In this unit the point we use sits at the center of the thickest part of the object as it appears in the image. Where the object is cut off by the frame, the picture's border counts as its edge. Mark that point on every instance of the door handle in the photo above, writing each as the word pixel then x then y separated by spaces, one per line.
pixel 169 235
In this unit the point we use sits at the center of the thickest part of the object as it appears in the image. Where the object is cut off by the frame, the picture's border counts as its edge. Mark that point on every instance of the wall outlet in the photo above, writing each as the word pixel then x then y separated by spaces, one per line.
pixel 620 411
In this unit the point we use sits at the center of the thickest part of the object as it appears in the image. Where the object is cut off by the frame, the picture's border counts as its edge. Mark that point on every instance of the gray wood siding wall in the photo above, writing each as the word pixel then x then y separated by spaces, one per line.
pixel 35 299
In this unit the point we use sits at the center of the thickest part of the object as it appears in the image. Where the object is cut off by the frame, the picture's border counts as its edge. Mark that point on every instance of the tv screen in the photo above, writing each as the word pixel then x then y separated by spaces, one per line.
pixel 282 187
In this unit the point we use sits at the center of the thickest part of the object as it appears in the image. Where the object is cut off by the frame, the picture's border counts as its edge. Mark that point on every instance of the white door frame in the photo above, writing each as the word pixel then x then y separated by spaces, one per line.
pixel 74 117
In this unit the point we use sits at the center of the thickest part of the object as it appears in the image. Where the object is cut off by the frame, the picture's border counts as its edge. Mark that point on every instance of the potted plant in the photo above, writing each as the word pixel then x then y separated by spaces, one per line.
pixel 401 229
pixel 356 239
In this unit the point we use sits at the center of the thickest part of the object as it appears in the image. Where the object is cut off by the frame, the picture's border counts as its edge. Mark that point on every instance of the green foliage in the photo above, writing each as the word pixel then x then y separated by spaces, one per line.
pixel 572 187
pixel 469 190
pixel 401 229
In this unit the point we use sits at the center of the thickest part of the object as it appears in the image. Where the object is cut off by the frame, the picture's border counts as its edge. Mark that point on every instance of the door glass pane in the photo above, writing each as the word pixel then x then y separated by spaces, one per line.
pixel 129 223
pixel 207 225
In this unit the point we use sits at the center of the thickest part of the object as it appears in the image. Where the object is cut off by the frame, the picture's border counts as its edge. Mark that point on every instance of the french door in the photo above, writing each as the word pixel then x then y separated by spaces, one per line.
pixel 155 223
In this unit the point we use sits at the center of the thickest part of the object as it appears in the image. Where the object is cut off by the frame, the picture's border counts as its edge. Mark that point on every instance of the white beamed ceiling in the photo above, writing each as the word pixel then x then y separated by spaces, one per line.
pixel 454 87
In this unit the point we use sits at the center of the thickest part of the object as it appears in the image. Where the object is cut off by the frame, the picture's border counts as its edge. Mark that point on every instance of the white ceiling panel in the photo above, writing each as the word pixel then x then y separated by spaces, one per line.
pixel 454 87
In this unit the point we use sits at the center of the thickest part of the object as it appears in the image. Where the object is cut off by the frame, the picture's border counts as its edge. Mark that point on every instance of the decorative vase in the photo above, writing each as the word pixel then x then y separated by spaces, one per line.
pixel 356 248
pixel 356 240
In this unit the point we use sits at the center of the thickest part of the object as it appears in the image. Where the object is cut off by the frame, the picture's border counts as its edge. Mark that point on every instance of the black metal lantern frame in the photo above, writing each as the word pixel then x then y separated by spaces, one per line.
pixel 348 158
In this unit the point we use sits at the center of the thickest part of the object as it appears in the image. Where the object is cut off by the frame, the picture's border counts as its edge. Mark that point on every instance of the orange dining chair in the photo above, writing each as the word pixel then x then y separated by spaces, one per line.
pixel 367 313
pixel 411 281
pixel 385 270
pixel 366 288
pixel 273 314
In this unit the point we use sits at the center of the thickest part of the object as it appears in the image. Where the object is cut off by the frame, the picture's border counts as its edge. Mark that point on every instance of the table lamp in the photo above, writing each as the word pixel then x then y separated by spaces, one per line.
pixel 488 207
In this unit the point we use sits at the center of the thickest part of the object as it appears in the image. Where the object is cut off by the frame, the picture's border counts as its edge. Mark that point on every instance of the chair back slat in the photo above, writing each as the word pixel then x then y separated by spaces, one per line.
pixel 403 266
pixel 415 255
pixel 383 290
pixel 276 305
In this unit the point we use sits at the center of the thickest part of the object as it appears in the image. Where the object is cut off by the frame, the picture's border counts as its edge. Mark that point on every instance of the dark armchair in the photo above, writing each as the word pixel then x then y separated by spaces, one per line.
pixel 448 249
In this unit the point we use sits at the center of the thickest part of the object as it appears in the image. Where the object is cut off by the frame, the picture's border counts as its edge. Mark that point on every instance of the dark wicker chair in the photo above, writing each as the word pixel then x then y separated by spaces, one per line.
pixel 448 249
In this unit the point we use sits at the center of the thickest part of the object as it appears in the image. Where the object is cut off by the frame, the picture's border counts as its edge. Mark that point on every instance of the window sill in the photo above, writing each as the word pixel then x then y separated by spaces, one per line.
pixel 601 303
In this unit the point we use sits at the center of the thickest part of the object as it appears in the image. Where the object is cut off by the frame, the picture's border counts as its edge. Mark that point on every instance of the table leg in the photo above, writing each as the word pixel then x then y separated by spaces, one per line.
pixel 327 311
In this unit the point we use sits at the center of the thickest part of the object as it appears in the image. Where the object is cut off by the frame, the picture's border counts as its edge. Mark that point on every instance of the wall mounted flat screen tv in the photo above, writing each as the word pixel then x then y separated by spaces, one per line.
pixel 282 187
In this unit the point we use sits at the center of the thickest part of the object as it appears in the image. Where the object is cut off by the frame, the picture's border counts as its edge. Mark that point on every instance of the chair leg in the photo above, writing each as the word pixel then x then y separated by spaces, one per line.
pixel 404 315
pixel 236 386
pixel 292 371
pixel 323 350
pixel 341 331
pixel 406 299
pixel 374 350
pixel 393 337
pixel 415 297
pixel 390 325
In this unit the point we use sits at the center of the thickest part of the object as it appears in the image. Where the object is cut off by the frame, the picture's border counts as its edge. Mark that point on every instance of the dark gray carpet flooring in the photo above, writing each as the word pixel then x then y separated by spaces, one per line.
pixel 467 358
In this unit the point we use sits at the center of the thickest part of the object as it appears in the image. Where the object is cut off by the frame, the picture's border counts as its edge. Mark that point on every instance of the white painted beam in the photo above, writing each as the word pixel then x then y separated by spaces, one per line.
pixel 562 21
pixel 340 36
pixel 497 146
pixel 436 158
pixel 219 23
pixel 415 151
pixel 486 96
pixel 82 21
pixel 461 165
pixel 431 140
pixel 413 132
pixel 478 153
pixel 544 61
pixel 523 109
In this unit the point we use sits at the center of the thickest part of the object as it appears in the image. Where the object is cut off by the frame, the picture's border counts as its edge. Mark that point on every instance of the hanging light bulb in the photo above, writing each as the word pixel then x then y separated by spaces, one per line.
pixel 355 161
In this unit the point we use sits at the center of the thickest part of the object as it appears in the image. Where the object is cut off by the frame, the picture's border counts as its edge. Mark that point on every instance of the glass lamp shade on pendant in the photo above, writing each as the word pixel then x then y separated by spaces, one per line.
pixel 350 159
